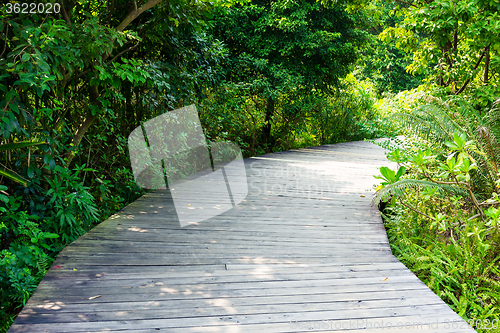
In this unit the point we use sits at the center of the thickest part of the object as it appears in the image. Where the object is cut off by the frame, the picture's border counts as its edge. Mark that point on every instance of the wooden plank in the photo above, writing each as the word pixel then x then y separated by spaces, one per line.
pixel 233 281
pixel 346 300
pixel 212 310
pixel 247 319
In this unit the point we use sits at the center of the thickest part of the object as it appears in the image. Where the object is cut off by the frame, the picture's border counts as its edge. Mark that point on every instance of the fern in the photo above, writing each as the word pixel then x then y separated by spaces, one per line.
pixel 438 121
pixel 400 189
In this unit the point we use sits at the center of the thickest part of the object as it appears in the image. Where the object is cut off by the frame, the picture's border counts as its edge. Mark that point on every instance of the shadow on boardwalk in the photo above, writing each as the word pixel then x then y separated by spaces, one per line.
pixel 304 252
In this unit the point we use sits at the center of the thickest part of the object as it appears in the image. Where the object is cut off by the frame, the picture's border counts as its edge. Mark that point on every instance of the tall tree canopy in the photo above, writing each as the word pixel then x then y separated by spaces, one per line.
pixel 455 42
pixel 94 62
pixel 278 48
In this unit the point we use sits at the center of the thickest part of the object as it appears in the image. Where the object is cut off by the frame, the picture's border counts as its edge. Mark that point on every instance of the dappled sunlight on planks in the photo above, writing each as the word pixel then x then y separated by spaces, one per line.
pixel 262 260
pixel 223 303
pixel 57 305
pixel 137 229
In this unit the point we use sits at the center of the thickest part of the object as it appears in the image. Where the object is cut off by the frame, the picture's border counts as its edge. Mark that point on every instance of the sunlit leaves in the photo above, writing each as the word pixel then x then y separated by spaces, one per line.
pixel 390 176
pixel 448 39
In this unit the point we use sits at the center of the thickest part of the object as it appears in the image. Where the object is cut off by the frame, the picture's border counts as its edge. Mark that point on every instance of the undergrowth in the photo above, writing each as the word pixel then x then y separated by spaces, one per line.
pixel 443 205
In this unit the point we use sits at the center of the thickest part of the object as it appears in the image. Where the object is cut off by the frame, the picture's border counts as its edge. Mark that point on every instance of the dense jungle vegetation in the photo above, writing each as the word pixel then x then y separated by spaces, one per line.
pixel 269 75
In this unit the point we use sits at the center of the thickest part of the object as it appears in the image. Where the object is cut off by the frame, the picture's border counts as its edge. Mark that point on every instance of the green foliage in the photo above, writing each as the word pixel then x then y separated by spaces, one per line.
pixel 284 57
pixel 72 206
pixel 381 61
pixel 72 89
pixel 443 215
pixel 455 256
pixel 24 257
pixel 267 75
pixel 235 113
pixel 468 131
pixel 390 176
pixel 456 44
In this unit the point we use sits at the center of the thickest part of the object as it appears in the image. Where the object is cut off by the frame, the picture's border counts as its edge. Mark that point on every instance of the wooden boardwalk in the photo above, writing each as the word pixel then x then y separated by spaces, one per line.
pixel 305 252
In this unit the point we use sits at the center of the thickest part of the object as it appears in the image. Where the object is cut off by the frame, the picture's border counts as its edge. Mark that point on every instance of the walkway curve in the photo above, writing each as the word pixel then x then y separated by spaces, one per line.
pixel 305 252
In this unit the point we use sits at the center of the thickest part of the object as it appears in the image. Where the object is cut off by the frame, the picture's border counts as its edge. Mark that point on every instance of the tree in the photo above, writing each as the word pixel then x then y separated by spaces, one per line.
pixel 73 85
pixel 382 62
pixel 285 48
pixel 455 42
pixel 63 72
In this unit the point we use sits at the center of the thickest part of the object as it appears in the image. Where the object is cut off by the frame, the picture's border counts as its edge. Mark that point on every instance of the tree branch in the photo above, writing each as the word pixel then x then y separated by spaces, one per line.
pixel 455 39
pixel 80 133
pixel 407 3
pixel 474 201
pixel 475 67
pixel 416 210
pixel 65 14
pixel 136 12
pixel 94 95
pixel 5 44
pixel 122 52
pixel 486 64
pixel 440 182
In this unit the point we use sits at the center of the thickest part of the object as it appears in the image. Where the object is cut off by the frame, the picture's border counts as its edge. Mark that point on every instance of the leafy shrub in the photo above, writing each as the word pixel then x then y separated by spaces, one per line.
pixel 456 256
pixel 24 257
pixel 72 207
pixel 35 224
pixel 442 217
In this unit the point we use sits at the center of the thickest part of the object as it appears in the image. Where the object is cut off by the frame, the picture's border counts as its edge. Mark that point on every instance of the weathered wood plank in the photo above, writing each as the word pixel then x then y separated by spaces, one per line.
pixel 285 318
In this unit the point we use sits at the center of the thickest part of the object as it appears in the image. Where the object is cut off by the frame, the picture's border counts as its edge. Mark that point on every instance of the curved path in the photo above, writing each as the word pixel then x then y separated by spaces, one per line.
pixel 305 252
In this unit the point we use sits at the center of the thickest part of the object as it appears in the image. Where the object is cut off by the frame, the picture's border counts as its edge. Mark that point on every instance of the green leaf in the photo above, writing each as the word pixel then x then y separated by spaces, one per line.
pixel 14 107
pixel 31 171
pixel 13 176
pixel 50 161
pixel 400 172
pixel 52 164
pixel 4 198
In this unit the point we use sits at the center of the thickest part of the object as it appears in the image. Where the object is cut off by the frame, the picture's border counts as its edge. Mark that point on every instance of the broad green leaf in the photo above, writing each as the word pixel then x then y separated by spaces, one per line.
pixel 400 172
pixel 31 171
pixel 13 176
pixel 25 57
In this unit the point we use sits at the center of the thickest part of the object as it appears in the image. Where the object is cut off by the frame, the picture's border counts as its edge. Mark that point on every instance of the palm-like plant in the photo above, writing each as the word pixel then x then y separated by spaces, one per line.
pixel 438 121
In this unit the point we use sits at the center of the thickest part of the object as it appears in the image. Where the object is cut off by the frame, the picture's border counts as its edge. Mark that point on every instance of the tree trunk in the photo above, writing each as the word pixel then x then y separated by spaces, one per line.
pixel 266 130
pixel 94 92
pixel 94 95
pixel 486 64
pixel 132 15
pixel 475 67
